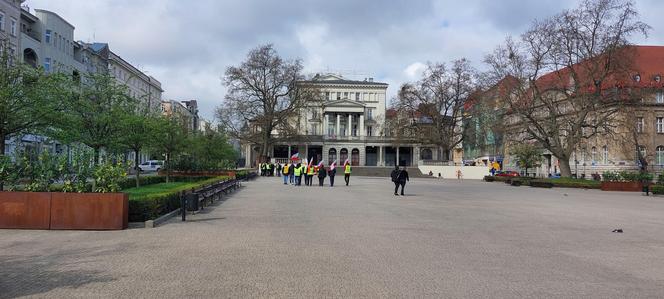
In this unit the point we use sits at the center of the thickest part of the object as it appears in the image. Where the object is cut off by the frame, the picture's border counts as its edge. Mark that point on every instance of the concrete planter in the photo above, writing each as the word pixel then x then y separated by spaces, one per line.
pixel 622 186
pixel 56 210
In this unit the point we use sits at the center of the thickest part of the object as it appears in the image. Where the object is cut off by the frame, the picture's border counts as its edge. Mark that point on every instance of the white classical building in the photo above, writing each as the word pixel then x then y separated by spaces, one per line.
pixel 348 124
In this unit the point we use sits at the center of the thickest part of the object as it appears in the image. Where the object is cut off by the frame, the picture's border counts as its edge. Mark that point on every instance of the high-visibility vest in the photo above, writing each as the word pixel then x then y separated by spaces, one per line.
pixel 347 169
pixel 298 171
pixel 285 170
pixel 311 171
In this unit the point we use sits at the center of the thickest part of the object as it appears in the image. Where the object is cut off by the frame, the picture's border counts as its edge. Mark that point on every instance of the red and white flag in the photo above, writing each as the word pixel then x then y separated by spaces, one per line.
pixel 320 165
pixel 333 165
pixel 311 162
pixel 296 156
pixel 346 162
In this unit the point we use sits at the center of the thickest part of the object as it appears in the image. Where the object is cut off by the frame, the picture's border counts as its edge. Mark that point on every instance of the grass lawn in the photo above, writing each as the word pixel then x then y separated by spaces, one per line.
pixel 160 189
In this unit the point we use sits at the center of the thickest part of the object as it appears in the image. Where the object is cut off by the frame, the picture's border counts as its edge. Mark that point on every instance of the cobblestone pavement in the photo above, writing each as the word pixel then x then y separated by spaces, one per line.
pixel 444 239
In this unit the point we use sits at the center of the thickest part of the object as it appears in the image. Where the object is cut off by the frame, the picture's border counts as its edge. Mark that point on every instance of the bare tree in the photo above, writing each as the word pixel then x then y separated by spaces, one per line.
pixel 265 94
pixel 436 103
pixel 567 72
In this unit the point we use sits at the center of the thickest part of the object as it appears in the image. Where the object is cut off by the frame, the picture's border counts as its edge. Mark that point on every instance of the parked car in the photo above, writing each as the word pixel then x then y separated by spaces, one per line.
pixel 151 165
pixel 508 173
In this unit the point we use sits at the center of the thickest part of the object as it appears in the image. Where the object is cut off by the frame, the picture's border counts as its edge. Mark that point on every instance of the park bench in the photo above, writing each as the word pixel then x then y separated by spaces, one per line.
pixel 206 195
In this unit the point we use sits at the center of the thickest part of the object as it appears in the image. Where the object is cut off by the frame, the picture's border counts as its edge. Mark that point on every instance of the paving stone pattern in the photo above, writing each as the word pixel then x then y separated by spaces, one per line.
pixel 444 239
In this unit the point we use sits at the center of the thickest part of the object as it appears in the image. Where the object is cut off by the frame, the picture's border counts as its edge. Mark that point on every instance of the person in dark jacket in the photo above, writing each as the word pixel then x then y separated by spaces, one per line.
pixel 395 179
pixel 291 173
pixel 322 173
pixel 402 178
pixel 331 173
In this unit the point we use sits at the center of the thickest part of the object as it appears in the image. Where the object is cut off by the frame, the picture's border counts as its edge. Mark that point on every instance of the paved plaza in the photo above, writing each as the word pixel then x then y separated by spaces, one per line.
pixel 444 239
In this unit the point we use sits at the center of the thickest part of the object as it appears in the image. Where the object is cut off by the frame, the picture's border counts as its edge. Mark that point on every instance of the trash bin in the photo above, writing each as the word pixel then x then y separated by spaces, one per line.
pixel 192 201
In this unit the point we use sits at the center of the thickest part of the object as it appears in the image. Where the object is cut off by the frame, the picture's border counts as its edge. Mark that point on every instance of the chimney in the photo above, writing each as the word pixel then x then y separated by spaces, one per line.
pixel 370 79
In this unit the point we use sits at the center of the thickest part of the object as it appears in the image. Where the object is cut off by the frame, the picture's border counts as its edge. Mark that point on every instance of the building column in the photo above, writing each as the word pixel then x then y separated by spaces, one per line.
pixel 416 156
pixel 338 126
pixel 380 156
pixel 397 164
pixel 363 156
pixel 325 124
pixel 350 125
pixel 247 154
pixel 361 129
pixel 290 154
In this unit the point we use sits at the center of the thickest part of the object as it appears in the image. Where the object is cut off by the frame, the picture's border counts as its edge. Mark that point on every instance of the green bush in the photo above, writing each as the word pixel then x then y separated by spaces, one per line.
pixel 657 189
pixel 626 176
pixel 571 183
pixel 152 206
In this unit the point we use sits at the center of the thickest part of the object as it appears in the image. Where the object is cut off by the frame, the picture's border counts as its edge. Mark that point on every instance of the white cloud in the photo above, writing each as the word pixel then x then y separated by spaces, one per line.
pixel 414 70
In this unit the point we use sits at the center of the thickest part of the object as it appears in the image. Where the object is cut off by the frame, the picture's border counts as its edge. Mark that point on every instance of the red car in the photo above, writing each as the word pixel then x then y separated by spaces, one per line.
pixel 508 173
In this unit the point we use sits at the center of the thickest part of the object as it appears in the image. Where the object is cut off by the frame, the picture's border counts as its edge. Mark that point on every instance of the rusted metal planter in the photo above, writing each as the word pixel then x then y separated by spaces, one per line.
pixel 56 210
pixel 622 186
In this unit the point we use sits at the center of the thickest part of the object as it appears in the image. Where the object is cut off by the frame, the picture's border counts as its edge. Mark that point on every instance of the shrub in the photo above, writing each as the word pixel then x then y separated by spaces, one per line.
pixel 657 189
pixel 610 176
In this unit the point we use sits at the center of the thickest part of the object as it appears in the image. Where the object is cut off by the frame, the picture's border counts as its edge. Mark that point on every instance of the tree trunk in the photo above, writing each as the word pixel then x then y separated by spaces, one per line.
pixel 138 170
pixel 167 164
pixel 95 163
pixel 565 169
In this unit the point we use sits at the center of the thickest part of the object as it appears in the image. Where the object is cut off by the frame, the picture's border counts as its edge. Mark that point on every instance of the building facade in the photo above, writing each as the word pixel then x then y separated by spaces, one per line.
pixel 10 16
pixel 349 123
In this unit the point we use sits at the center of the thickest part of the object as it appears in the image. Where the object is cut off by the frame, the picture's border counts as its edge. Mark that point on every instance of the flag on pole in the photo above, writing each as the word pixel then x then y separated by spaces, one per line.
pixel 333 165
pixel 311 162
pixel 346 162
pixel 296 156
pixel 305 161
pixel 320 165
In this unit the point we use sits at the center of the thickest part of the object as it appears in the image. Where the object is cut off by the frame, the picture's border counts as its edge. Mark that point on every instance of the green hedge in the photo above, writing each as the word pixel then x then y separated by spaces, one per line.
pixel 151 207
pixel 150 180
pixel 561 182
pixel 657 189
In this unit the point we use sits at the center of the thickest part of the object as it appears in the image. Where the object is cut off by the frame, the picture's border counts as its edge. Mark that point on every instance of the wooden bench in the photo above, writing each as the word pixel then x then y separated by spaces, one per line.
pixel 209 193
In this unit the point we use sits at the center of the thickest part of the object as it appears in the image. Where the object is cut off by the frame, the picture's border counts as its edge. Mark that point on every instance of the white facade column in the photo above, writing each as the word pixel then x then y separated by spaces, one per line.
pixel 397 163
pixel 361 129
pixel 338 126
pixel 247 154
pixel 416 156
pixel 350 125
pixel 380 156
pixel 289 152
pixel 325 124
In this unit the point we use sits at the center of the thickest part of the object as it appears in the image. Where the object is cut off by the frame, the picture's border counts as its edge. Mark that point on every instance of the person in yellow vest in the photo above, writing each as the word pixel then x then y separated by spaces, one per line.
pixel 284 172
pixel 298 174
pixel 347 172
pixel 310 174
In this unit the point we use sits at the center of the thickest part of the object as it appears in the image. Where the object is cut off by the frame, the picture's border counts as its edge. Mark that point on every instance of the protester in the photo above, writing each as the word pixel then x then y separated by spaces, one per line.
pixel 284 171
pixel 321 174
pixel 291 173
pixel 347 172
pixel 331 173
pixel 298 174
pixel 311 171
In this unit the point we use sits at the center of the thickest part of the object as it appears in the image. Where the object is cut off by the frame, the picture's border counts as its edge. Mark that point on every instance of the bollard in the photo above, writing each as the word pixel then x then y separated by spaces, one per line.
pixel 183 206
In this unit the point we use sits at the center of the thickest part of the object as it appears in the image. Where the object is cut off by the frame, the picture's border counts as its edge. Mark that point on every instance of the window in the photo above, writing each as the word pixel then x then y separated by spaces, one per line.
pixel 338 96
pixel 639 124
pixel 2 21
pixel 660 97
pixel 640 154
pixel 327 96
pixel 47 64
pixel 637 78
pixel 660 125
pixel 55 39
pixel 369 114
pixel 593 155
pixel 357 96
pixel 314 129
pixel 659 159
pixel 605 155
pixel 13 27
pixel 345 95
pixel 369 131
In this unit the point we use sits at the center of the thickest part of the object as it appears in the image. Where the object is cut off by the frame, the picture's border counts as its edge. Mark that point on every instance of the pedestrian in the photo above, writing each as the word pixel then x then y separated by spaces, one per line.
pixel 395 179
pixel 459 174
pixel 402 179
pixel 298 174
pixel 321 174
pixel 284 171
pixel 291 173
pixel 331 173
pixel 311 172
pixel 347 172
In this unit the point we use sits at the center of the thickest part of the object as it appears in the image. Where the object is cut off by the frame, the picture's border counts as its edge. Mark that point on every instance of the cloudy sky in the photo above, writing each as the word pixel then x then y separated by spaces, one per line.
pixel 187 45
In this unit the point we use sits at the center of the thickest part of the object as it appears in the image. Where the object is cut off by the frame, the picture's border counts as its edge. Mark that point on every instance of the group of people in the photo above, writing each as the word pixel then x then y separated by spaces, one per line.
pixel 267 169
pixel 294 172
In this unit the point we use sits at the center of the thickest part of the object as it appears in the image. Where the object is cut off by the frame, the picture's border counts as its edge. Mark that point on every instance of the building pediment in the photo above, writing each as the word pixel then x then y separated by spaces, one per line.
pixel 344 103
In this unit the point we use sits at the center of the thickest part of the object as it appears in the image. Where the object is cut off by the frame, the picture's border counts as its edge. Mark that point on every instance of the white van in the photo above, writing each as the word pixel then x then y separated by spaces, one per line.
pixel 151 165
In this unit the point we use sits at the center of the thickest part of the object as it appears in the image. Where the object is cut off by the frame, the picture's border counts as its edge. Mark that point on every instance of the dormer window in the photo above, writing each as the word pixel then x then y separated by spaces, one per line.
pixel 637 78
pixel 658 78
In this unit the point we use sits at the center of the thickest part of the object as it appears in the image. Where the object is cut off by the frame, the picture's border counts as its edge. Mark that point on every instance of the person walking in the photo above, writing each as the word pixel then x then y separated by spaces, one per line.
pixel 402 178
pixel 284 172
pixel 394 175
pixel 331 173
pixel 321 174
pixel 347 172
